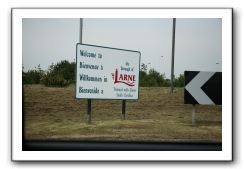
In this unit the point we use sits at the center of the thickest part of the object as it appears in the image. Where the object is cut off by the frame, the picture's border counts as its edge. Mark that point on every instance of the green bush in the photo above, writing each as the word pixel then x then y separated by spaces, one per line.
pixel 155 79
pixel 63 73
pixel 54 80
pixel 33 76
pixel 152 78
pixel 180 81
pixel 60 75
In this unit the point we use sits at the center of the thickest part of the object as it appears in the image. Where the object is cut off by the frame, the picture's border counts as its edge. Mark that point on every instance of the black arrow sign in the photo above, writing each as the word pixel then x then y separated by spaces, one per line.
pixel 203 87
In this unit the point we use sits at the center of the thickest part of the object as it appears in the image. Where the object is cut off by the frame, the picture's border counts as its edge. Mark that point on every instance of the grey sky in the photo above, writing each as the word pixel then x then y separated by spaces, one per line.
pixel 198 41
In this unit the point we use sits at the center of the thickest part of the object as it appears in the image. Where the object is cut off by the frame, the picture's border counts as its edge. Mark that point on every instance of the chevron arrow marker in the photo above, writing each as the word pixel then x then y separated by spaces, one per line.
pixel 194 87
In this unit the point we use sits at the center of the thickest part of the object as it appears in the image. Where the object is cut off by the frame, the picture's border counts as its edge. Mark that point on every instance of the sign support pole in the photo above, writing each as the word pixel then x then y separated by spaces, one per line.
pixel 88 115
pixel 194 115
pixel 123 108
pixel 173 55
pixel 88 111
pixel 81 30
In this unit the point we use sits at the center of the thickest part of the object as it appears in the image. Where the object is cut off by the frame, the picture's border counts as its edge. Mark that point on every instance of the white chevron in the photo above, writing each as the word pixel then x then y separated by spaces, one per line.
pixel 194 87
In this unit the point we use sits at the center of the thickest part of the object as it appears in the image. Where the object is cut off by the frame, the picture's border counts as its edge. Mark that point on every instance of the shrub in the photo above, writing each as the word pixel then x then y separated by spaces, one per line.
pixel 180 81
pixel 60 75
pixel 152 78
pixel 54 80
pixel 33 76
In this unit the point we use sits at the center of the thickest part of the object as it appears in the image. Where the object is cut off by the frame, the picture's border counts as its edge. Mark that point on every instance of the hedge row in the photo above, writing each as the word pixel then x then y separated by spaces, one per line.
pixel 63 73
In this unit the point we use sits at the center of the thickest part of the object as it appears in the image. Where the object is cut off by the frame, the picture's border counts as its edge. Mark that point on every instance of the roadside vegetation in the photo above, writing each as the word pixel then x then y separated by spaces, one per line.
pixel 62 74
pixel 51 111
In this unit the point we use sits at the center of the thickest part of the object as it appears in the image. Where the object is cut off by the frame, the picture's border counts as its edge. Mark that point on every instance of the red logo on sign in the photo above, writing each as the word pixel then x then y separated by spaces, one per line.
pixel 124 78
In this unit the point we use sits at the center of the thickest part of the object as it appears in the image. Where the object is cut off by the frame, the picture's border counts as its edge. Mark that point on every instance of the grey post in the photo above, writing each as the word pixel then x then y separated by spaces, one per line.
pixel 173 55
pixel 193 118
pixel 88 114
pixel 88 111
pixel 123 108
pixel 81 29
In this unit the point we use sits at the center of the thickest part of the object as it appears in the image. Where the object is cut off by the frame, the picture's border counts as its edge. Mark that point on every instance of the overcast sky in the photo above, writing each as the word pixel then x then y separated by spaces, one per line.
pixel 198 43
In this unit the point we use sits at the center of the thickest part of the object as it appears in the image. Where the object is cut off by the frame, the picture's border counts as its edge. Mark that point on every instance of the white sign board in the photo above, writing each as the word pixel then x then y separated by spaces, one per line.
pixel 106 73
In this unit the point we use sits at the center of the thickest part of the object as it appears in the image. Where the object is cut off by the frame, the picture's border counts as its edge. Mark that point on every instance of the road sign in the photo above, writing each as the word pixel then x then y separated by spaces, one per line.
pixel 203 88
pixel 106 73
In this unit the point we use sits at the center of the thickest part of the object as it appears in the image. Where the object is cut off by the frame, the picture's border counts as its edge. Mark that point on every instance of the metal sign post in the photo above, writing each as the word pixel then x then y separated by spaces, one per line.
pixel 123 108
pixel 88 114
pixel 81 30
pixel 173 55
pixel 194 115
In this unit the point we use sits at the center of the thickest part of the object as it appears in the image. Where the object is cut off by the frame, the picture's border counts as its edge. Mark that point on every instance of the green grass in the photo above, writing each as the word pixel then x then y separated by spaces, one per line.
pixel 54 113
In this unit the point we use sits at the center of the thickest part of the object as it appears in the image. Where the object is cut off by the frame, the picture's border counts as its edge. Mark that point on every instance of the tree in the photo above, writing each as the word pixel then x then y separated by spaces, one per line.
pixel 152 78
pixel 32 76
pixel 179 82
pixel 156 77
pixel 143 79
pixel 143 67
pixel 60 75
